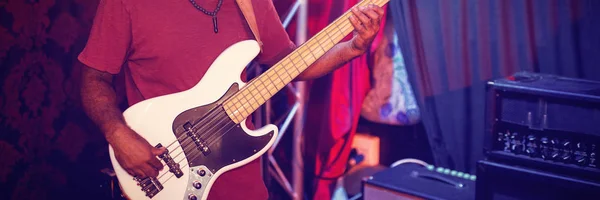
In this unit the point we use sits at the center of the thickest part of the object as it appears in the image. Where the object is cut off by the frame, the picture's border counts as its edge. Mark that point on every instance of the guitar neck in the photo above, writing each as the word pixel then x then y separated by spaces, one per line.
pixel 265 86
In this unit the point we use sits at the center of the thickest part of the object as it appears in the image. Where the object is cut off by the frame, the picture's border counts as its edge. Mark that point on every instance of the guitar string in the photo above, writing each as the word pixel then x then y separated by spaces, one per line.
pixel 216 139
pixel 340 30
pixel 196 153
pixel 316 36
pixel 210 112
pixel 210 139
pixel 192 143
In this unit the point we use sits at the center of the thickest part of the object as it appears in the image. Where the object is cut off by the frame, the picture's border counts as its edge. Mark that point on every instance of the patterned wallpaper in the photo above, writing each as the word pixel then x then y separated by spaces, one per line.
pixel 48 147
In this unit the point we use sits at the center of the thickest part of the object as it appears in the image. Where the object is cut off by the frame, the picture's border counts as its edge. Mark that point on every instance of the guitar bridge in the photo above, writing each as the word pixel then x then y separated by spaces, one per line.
pixel 150 186
pixel 173 166
pixel 200 143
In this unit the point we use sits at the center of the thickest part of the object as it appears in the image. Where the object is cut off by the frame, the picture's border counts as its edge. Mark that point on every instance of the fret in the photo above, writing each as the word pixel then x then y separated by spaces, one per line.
pixel 262 98
pixel 314 47
pixel 296 62
pixel 335 33
pixel 255 101
pixel 283 77
pixel 288 64
pixel 274 79
pixel 331 32
pixel 242 109
pixel 341 34
pixel 328 41
pixel 306 57
pixel 323 41
pixel 286 78
pixel 300 62
pixel 320 50
pixel 273 90
pixel 277 78
pixel 258 91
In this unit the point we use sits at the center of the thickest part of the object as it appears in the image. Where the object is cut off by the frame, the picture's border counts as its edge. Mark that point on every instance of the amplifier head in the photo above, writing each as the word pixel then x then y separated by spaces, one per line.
pixel 544 121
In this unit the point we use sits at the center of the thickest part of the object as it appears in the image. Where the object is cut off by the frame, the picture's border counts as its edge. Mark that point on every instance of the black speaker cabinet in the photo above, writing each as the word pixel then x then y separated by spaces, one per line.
pixel 497 181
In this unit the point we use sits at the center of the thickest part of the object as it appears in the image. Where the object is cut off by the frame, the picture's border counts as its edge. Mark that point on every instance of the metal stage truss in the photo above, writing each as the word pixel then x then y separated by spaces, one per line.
pixel 294 188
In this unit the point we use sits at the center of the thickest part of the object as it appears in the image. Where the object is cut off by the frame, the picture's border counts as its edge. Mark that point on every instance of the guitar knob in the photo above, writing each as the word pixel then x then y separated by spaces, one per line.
pixel 192 197
pixel 201 172
pixel 197 185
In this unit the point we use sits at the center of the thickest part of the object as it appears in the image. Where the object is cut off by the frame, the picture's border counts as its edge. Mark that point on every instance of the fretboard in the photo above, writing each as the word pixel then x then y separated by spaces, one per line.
pixel 260 89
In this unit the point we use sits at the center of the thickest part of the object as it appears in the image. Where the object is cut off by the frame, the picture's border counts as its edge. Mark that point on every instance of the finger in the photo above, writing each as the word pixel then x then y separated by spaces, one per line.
pixel 139 173
pixel 361 16
pixel 374 17
pixel 158 151
pixel 373 13
pixel 357 26
pixel 149 171
pixel 130 172
pixel 379 10
pixel 156 164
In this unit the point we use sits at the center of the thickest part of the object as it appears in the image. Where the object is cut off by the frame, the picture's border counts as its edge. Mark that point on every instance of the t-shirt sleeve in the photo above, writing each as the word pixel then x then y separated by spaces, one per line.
pixel 276 41
pixel 110 37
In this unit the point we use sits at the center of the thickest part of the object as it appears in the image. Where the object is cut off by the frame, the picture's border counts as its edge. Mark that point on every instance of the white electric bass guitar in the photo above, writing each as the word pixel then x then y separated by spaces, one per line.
pixel 203 128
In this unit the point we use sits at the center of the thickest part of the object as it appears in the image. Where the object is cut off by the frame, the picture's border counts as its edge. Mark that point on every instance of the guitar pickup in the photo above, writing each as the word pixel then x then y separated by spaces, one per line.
pixel 201 145
pixel 150 186
pixel 173 166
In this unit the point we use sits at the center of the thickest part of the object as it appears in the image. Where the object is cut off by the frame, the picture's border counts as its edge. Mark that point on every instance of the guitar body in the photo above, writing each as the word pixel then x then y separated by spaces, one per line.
pixel 203 142
pixel 204 128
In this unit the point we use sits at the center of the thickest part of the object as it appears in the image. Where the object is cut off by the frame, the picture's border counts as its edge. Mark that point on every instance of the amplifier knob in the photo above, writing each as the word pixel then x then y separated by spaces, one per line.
pixel 554 142
pixel 531 151
pixel 544 154
pixel 581 160
pixel 566 156
pixel 515 135
pixel 544 140
pixel 554 155
pixel 581 146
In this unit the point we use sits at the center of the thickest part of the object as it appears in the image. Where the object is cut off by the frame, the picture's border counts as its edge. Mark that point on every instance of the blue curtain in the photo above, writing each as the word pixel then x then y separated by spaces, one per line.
pixel 453 47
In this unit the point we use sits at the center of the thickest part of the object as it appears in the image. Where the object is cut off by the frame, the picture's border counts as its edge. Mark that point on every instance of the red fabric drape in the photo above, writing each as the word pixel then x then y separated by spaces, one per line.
pixel 333 108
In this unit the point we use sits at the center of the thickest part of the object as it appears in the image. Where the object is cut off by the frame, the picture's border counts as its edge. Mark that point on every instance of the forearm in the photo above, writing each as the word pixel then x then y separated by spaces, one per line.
pixel 100 102
pixel 330 61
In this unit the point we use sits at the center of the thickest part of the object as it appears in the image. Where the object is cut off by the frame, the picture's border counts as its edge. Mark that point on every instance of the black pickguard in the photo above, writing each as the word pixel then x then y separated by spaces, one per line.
pixel 234 144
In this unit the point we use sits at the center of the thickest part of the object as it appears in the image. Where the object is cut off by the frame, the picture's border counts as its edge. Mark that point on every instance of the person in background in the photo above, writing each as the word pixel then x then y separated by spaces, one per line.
pixel 390 110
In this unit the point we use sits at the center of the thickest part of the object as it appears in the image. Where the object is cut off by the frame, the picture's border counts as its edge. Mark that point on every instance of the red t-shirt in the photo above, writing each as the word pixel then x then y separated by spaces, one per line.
pixel 165 47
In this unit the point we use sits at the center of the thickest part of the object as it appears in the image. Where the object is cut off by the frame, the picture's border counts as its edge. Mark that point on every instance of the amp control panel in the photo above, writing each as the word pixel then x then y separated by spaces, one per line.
pixel 572 149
